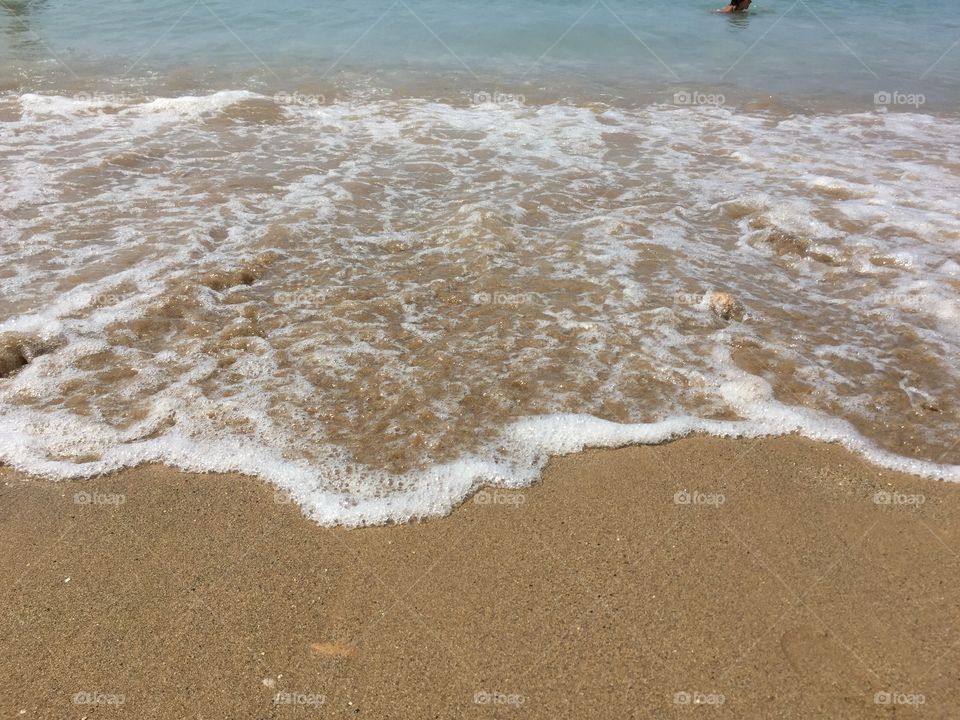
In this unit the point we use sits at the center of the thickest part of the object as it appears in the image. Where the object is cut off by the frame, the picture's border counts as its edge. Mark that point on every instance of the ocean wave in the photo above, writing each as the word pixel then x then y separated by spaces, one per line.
pixel 379 305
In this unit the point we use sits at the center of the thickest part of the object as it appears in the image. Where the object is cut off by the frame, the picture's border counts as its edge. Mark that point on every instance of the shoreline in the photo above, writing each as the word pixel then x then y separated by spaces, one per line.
pixel 765 578
pixel 497 88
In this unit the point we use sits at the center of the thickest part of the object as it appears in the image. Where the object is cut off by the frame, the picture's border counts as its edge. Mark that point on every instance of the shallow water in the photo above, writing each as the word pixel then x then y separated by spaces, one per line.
pixel 847 50
pixel 379 289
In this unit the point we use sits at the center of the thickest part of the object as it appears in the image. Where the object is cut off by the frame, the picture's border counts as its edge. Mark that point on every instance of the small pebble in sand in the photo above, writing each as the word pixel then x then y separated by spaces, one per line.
pixel 331 649
pixel 12 359
pixel 724 305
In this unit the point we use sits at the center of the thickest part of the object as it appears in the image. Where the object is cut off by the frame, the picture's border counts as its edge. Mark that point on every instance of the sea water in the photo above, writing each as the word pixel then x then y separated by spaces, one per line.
pixel 848 49
pixel 382 253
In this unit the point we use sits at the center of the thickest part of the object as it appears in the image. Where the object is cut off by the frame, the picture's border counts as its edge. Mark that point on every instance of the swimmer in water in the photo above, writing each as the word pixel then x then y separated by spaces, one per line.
pixel 736 6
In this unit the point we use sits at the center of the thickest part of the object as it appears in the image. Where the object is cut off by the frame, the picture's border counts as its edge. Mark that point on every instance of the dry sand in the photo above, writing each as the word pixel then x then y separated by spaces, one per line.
pixel 591 595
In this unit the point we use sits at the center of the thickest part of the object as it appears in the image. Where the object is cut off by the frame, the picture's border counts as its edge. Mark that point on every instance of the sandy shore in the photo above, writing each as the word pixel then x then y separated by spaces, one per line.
pixel 783 588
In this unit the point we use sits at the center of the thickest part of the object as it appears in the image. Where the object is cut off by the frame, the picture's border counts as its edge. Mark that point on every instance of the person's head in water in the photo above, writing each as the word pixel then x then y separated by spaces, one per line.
pixel 736 6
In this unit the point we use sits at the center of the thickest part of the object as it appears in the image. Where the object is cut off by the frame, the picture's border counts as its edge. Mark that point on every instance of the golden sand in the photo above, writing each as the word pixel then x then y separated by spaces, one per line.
pixel 768 579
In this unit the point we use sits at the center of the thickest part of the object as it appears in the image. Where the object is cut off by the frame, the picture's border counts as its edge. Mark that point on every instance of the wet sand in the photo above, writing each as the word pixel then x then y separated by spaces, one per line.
pixel 785 587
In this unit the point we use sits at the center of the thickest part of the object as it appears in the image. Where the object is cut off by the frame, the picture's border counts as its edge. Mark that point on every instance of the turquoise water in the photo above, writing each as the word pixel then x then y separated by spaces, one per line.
pixel 848 49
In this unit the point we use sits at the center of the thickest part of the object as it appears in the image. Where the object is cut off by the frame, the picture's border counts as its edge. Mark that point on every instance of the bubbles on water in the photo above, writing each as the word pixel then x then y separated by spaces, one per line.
pixel 379 305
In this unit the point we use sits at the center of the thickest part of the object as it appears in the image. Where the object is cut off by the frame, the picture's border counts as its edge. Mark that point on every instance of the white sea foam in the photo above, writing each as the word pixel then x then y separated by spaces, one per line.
pixel 439 489
pixel 564 249
pixel 194 106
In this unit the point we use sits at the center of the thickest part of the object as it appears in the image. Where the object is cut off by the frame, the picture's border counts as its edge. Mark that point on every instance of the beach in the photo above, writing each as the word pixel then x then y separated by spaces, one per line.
pixel 735 578
pixel 381 256
pixel 417 359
